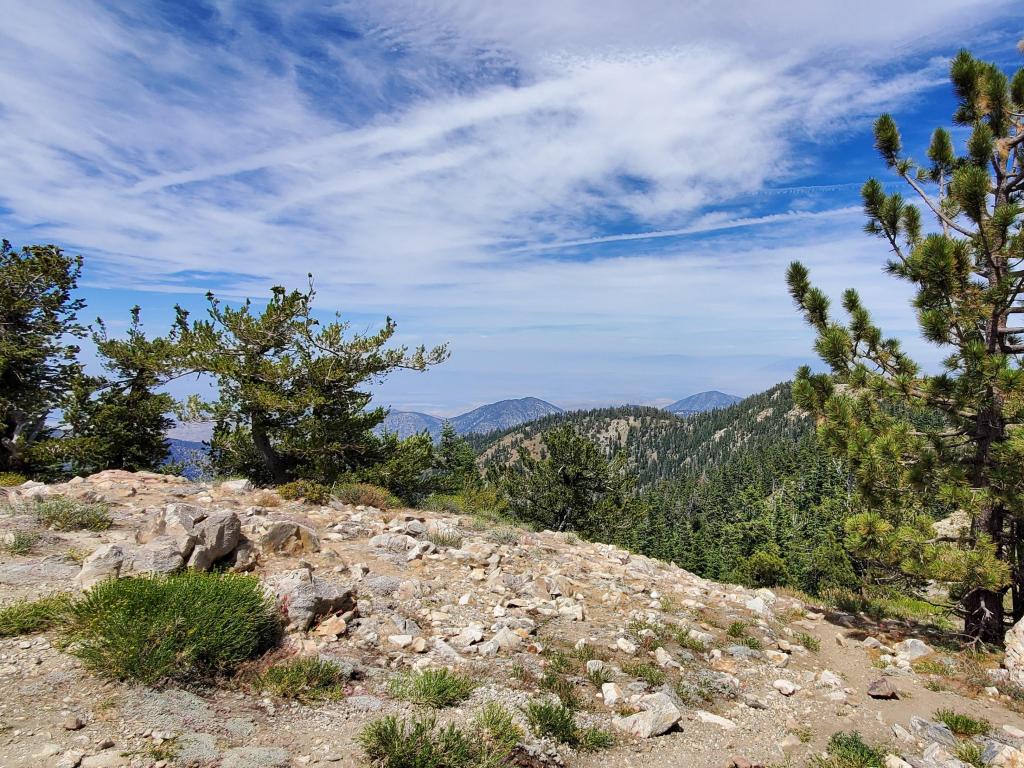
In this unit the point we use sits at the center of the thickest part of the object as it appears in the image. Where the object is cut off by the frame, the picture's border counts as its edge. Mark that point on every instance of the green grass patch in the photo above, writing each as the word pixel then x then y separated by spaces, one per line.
pixel 562 687
pixel 737 629
pixel 489 742
pixel 433 687
pixel 554 720
pixel 683 639
pixel 971 753
pixel 642 670
pixel 599 677
pixel 307 679
pixel 65 514
pixel 445 539
pixel 184 627
pixel 962 725
pixel 849 750
pixel 27 617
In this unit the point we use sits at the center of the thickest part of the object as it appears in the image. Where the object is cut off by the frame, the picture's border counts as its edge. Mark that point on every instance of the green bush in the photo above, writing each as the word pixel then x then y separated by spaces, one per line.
pixel 61 513
pixel 28 617
pixel 737 629
pixel 21 542
pixel 11 479
pixel 307 679
pixel 488 743
pixel 550 719
pixel 367 495
pixel 962 725
pixel 310 490
pixel 433 687
pixel 810 642
pixel 188 626
pixel 762 569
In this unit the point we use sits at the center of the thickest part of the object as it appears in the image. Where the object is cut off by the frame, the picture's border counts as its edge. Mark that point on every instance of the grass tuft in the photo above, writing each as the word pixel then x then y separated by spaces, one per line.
pixel 445 539
pixel 433 687
pixel 489 742
pixel 550 719
pixel 308 679
pixel 810 642
pixel 650 674
pixel 848 750
pixel 962 725
pixel 29 617
pixel 11 479
pixel 65 514
pixel 188 626
pixel 737 629
pixel 367 495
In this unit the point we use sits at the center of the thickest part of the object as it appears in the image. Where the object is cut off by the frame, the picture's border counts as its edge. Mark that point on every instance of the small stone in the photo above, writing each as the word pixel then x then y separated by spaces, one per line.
pixel 883 688
pixel 785 687
pixel 611 693
pixel 73 723
pixel 713 719
pixel 790 744
pixel 894 761
pixel 626 646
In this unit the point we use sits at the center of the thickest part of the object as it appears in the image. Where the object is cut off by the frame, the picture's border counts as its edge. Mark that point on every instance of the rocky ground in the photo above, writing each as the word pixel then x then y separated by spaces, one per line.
pixel 749 677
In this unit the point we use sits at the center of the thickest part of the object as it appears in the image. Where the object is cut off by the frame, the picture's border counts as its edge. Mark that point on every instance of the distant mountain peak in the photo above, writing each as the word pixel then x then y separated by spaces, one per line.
pixel 703 402
pixel 503 414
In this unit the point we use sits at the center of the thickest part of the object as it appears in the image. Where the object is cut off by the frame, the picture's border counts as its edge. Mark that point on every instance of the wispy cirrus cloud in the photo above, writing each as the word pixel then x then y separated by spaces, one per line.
pixel 487 172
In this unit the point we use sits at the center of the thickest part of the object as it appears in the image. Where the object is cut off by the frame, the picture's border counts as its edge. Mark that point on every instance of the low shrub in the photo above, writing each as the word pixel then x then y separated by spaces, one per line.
pixel 848 750
pixel 367 495
pixel 27 617
pixel 489 741
pixel 550 719
pixel 61 513
pixel 310 490
pixel 562 687
pixel 650 674
pixel 188 626
pixel 737 629
pixel 762 569
pixel 433 687
pixel 962 725
pixel 971 752
pixel 20 542
pixel 11 479
pixel 810 642
pixel 306 679
pixel 599 676
pixel 444 539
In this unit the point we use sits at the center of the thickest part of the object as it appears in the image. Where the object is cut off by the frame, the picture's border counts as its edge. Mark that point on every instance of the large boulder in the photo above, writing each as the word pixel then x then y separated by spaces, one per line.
pixel 104 563
pixel 1014 659
pixel 162 555
pixel 215 537
pixel 306 598
pixel 176 522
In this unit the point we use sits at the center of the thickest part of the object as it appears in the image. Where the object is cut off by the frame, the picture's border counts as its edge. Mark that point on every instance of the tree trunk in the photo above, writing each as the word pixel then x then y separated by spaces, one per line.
pixel 984 619
pixel 266 450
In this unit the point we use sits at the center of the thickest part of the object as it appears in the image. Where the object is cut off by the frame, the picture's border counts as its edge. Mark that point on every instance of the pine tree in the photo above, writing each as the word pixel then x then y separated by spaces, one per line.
pixel 293 399
pixel 38 321
pixel 922 444
pixel 118 420
pixel 454 462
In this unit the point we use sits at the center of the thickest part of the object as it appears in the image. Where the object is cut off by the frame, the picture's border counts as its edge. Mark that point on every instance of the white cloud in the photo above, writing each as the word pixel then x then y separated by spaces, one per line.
pixel 159 154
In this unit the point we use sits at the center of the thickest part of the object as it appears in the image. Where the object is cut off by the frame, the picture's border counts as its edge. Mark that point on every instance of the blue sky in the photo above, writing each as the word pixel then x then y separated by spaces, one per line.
pixel 592 201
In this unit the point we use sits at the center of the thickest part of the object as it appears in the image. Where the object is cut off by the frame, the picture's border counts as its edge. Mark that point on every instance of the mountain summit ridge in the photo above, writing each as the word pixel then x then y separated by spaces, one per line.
pixel 502 414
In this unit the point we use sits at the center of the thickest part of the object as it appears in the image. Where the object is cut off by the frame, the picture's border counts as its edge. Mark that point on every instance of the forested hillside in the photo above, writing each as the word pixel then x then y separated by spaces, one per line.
pixel 660 445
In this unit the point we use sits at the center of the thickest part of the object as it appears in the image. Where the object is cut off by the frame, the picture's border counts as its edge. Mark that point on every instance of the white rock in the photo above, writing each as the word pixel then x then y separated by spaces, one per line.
pixel 611 693
pixel 893 761
pixel 713 719
pixel 400 641
pixel 660 715
pixel 236 486
pixel 104 563
pixel 626 646
pixel 785 687
pixel 912 648
pixel 1014 658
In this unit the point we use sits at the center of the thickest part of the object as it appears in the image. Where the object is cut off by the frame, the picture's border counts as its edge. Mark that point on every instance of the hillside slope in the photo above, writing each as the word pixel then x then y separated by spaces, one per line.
pixel 662 445
pixel 692 673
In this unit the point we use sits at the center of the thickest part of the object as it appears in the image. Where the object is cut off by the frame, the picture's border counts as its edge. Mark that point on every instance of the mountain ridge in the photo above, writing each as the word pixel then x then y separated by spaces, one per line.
pixel 503 414
pixel 702 402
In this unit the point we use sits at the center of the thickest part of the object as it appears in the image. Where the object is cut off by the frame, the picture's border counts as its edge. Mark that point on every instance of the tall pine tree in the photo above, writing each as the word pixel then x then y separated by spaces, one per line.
pixel 922 444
